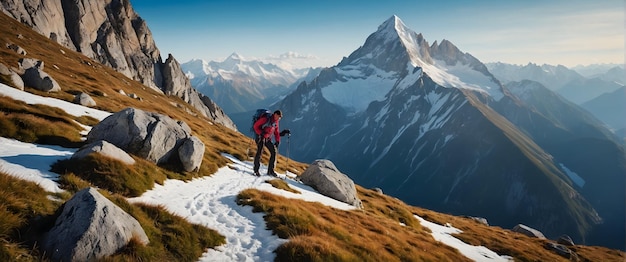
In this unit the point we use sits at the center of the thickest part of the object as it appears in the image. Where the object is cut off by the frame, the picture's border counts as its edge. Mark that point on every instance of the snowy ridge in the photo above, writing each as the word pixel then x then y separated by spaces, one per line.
pixel 360 87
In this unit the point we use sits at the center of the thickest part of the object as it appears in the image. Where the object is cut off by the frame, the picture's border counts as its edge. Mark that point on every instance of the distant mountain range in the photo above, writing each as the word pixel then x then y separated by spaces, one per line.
pixel 433 126
pixel 240 85
pixel 507 142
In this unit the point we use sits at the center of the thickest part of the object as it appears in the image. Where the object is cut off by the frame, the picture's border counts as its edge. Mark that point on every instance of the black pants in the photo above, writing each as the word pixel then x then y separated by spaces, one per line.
pixel 259 150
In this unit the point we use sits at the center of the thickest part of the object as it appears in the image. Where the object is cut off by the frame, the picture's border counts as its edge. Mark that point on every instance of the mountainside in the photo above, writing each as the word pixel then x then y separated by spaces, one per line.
pixel 552 77
pixel 610 108
pixel 432 126
pixel 112 33
pixel 609 72
pixel 580 92
pixel 239 85
pixel 218 212
pixel 567 82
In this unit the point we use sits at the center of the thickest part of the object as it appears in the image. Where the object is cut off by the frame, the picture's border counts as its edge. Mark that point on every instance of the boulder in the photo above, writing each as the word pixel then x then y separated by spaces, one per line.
pixel 90 228
pixel 35 77
pixel 14 77
pixel 526 230
pixel 481 220
pixel 329 181
pixel 566 240
pixel 17 80
pixel 16 48
pixel 40 80
pixel 84 99
pixel 106 149
pixel 152 136
pixel 191 153
pixel 562 250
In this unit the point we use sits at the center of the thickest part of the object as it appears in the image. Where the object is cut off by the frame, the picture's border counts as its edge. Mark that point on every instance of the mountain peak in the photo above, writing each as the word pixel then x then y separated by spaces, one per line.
pixel 234 57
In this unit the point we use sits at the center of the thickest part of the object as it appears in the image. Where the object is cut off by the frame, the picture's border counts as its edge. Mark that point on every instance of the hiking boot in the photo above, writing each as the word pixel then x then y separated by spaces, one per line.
pixel 271 173
pixel 256 173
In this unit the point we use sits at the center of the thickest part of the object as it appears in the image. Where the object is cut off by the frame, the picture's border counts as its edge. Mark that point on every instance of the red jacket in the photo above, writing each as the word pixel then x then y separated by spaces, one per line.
pixel 268 129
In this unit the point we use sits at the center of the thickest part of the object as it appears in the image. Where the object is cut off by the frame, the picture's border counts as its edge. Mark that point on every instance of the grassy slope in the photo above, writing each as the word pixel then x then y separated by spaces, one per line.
pixel 316 232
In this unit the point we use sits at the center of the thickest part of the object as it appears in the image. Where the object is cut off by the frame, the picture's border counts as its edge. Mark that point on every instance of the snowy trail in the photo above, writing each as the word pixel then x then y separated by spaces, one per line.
pixel 211 202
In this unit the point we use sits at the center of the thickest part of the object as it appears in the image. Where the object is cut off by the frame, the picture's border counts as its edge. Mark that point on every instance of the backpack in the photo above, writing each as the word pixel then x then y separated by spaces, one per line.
pixel 261 113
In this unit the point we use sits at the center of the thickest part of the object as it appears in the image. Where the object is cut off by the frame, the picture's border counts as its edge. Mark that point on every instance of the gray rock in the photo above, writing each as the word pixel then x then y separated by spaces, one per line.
pixel 17 80
pixel 89 228
pixel 566 240
pixel 151 136
pixel 17 49
pixel 40 80
pixel 378 190
pixel 106 149
pixel 191 153
pixel 526 230
pixel 27 63
pixel 329 181
pixel 562 250
pixel 4 70
pixel 14 77
pixel 481 220
pixel 84 99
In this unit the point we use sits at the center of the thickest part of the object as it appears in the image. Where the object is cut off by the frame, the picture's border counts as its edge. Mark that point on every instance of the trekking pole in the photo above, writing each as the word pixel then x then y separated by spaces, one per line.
pixel 288 140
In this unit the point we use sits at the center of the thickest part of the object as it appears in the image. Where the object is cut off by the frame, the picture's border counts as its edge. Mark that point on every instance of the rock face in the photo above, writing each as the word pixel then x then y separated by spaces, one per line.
pixel 151 136
pixel 106 149
pixel 89 228
pixel 111 32
pixel 324 176
pixel 177 84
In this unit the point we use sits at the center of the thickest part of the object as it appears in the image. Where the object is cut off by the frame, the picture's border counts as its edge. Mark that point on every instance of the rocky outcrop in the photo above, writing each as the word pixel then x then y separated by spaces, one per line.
pixel 177 84
pixel 111 32
pixel 106 149
pixel 154 137
pixel 329 181
pixel 90 228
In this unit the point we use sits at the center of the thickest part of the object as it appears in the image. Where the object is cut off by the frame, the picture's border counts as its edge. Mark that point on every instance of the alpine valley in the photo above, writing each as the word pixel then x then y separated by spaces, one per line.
pixel 435 144
pixel 432 126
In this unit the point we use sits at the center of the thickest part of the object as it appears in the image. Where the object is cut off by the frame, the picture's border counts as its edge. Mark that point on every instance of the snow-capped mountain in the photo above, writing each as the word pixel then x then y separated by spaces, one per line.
pixel 240 85
pixel 431 125
pixel 567 82
pixel 552 77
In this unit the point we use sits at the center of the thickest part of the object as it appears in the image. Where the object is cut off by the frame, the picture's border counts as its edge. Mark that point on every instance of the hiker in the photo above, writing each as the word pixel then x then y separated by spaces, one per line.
pixel 263 137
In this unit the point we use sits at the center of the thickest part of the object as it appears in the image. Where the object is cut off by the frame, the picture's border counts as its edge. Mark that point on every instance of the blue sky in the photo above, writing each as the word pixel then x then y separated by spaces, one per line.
pixel 567 32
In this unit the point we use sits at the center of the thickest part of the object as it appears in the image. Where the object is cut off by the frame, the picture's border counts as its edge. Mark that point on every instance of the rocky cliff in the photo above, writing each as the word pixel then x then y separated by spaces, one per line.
pixel 111 32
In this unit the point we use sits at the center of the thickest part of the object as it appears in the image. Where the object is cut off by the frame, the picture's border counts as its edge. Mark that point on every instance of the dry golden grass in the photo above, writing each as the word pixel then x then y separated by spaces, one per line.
pixel 320 233
pixel 281 184
pixel 385 230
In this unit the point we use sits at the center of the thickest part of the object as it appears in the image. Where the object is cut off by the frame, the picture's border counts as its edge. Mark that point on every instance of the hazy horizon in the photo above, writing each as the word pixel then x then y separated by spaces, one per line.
pixel 321 33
